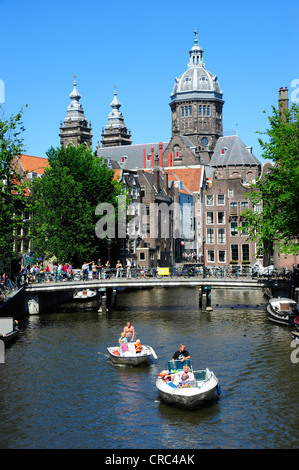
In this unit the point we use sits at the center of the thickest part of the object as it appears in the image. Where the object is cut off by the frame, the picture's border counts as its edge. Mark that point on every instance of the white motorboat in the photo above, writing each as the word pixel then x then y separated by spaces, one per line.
pixel 282 310
pixel 130 357
pixel 9 330
pixel 85 294
pixel 203 389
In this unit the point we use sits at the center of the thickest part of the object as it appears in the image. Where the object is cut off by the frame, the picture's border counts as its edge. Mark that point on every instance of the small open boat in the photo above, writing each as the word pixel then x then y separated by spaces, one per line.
pixel 282 310
pixel 203 389
pixel 85 294
pixel 130 357
pixel 9 330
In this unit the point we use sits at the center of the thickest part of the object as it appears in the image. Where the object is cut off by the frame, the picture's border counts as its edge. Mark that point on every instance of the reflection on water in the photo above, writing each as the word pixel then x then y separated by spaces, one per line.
pixel 58 388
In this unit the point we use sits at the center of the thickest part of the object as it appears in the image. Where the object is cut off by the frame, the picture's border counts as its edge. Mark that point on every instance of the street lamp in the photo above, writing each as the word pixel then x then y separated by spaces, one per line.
pixel 109 246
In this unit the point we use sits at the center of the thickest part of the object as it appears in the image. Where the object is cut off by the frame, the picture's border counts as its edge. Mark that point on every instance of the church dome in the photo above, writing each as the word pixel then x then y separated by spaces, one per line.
pixel 196 82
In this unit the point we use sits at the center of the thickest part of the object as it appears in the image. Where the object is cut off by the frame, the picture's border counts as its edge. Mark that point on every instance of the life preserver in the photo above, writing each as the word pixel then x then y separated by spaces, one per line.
pixel 138 348
pixel 165 376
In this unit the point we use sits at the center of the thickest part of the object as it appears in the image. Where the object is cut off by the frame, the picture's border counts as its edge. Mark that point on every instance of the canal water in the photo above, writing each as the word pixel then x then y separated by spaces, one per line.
pixel 59 390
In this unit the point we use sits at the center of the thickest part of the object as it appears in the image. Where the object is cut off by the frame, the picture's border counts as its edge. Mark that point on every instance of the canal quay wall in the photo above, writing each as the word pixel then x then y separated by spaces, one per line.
pixel 35 299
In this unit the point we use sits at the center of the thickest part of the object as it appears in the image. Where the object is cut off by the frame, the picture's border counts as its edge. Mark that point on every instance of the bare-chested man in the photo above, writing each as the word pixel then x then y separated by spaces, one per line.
pixel 129 331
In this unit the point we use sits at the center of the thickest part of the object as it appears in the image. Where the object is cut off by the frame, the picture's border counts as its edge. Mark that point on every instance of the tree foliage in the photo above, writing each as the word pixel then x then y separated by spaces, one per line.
pixel 276 193
pixel 13 191
pixel 65 199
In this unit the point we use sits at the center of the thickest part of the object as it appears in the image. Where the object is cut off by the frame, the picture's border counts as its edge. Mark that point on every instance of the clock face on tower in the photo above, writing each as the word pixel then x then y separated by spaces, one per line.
pixel 204 141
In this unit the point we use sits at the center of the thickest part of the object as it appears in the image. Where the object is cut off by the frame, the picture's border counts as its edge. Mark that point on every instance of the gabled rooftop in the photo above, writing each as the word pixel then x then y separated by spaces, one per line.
pixel 231 150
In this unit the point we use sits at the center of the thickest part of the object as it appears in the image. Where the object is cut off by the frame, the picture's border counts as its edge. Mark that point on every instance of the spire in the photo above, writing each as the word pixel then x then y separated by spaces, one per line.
pixel 116 132
pixel 74 128
pixel 196 53
pixel 75 95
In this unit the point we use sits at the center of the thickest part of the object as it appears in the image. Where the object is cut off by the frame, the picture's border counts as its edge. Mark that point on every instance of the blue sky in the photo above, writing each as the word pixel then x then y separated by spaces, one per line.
pixel 141 47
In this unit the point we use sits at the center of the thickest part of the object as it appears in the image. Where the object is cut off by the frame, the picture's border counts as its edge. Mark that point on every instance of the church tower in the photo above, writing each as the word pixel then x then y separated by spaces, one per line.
pixel 74 129
pixel 196 112
pixel 115 133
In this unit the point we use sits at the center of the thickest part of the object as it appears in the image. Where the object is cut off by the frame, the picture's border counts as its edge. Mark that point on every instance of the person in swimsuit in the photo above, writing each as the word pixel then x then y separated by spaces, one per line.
pixel 129 331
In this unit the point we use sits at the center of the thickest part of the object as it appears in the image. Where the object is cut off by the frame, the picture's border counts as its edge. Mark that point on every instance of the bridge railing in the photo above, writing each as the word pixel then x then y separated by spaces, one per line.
pixel 209 272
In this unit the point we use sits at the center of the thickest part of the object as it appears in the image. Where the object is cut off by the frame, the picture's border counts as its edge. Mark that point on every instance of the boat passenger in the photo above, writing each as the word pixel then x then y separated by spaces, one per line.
pixel 123 349
pixel 183 378
pixel 138 346
pixel 129 331
pixel 181 354
pixel 122 338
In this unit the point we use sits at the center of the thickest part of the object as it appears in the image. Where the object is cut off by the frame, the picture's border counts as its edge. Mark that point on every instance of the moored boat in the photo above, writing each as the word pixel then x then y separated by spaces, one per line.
pixel 85 294
pixel 130 357
pixel 203 389
pixel 295 335
pixel 282 310
pixel 9 330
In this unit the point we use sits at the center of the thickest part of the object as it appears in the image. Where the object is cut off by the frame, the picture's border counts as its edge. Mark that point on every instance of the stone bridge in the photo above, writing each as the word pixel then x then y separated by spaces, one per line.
pixel 38 297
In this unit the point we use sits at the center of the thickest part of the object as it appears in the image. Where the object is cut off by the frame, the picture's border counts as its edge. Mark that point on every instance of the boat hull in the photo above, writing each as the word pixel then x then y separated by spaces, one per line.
pixel 90 295
pixel 131 358
pixel 282 311
pixel 9 337
pixel 190 398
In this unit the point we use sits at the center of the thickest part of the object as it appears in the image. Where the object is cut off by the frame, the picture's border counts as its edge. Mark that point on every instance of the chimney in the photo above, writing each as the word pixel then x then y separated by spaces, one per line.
pixel 166 182
pixel 152 157
pixel 160 154
pixel 169 159
pixel 156 179
pixel 283 99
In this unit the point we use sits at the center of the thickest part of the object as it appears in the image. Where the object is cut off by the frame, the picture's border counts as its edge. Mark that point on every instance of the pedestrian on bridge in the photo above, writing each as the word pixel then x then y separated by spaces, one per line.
pixel 128 266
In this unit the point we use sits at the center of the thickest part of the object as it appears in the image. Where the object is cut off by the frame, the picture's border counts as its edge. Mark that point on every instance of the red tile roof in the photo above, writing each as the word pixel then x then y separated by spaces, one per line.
pixel 32 164
pixel 190 177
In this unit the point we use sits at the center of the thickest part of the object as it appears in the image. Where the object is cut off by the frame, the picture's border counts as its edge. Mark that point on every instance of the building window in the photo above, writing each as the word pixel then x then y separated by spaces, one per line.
pixel 233 229
pixel 208 110
pixel 186 111
pixel 209 199
pixel 234 253
pixel 221 217
pixel 183 109
pixel 233 208
pixel 200 110
pixel 245 252
pixel 141 256
pixel 211 256
pixel 203 110
pixel 220 199
pixel 230 193
pixel 142 191
pixel 210 236
pixel 190 111
pixel 210 217
pixel 221 235
pixel 245 227
pixel 244 204
pixel 221 256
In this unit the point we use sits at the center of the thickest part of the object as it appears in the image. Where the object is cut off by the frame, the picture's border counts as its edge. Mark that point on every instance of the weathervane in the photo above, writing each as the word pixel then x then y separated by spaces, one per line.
pixel 196 37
